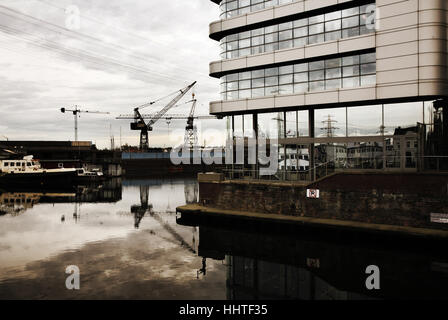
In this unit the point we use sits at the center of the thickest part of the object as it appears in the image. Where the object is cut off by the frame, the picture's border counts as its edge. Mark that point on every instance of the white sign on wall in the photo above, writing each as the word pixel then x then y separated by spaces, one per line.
pixel 312 193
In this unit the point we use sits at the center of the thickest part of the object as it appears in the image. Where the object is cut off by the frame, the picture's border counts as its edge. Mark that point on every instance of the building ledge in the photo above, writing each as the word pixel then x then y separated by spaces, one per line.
pixel 424 233
pixel 277 14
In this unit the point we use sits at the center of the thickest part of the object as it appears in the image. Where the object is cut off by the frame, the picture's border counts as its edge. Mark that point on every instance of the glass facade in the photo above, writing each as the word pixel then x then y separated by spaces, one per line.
pixel 232 8
pixel 317 29
pixel 343 72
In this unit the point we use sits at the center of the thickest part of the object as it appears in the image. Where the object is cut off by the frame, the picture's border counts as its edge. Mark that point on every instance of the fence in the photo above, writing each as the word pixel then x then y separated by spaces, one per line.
pixel 392 164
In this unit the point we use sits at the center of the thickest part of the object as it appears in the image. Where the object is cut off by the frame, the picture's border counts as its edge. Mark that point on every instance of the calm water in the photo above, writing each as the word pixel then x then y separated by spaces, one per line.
pixel 128 244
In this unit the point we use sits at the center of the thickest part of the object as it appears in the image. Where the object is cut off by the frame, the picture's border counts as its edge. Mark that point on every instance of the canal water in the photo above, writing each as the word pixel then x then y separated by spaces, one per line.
pixel 128 243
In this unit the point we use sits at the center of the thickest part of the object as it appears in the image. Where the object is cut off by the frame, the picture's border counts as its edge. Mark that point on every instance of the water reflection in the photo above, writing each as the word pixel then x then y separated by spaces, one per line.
pixel 123 236
pixel 263 264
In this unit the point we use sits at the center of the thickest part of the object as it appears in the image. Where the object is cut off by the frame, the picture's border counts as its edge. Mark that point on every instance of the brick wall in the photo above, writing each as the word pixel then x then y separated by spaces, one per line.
pixel 395 199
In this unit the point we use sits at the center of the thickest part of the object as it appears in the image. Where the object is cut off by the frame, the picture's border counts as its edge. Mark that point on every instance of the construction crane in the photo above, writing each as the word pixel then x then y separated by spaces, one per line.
pixel 139 121
pixel 191 134
pixel 76 113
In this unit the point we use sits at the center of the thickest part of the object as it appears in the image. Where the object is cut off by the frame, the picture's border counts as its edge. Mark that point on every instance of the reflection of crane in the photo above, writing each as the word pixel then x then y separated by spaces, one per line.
pixel 76 113
pixel 139 121
pixel 139 212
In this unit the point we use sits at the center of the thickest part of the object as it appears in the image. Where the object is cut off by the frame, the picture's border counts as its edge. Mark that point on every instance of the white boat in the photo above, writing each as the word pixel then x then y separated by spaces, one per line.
pixel 85 175
pixel 29 172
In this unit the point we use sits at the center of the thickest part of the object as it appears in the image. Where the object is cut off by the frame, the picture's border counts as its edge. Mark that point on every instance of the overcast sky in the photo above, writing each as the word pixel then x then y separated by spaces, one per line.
pixel 121 54
pixel 124 53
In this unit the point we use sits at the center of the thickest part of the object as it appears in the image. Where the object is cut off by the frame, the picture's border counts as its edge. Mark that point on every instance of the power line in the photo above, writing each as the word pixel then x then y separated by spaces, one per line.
pixel 80 54
pixel 328 128
pixel 94 40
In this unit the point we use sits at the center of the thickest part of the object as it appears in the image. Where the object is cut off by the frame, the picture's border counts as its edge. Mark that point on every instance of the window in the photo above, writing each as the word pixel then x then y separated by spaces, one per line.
pixel 330 74
pixel 6 164
pixel 317 29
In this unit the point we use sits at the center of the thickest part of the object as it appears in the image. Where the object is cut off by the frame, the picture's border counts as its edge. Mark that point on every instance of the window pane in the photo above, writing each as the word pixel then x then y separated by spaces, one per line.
pixel 285 69
pixel 300 87
pixel 300 32
pixel 285 79
pixel 350 82
pixel 232 77
pixel 284 26
pixel 257 32
pixel 301 77
pixel 333 63
pixel 286 89
pixel 330 36
pixel 350 22
pixel 271 29
pixel 316 39
pixel 316 19
pixel 245 94
pixel 285 44
pixel 301 67
pixel 316 28
pixel 271 91
pixel 333 84
pixel 352 32
pixel 271 47
pixel 300 23
pixel 316 65
pixel 258 49
pixel 368 80
pixel 232 85
pixel 244 75
pixel 245 84
pixel 350 71
pixel 317 75
pixel 350 12
pixel 333 15
pixel 317 86
pixel 258 82
pixel 285 35
pixel 272 37
pixel 369 57
pixel 259 92
pixel 333 25
pixel 333 73
pixel 300 42
pixel 347 61
pixel 271 72
pixel 368 68
pixel 257 40
pixel 271 81
pixel 257 73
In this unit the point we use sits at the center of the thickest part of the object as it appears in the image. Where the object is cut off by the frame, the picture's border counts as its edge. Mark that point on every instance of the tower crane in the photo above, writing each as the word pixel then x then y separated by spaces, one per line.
pixel 139 121
pixel 76 111
pixel 191 135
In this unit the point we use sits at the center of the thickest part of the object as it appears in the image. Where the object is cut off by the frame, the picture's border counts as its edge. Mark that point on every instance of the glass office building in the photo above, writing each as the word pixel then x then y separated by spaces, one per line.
pixel 283 61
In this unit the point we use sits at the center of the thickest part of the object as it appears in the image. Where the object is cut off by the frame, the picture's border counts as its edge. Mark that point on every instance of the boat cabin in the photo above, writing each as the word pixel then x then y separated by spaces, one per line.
pixel 24 165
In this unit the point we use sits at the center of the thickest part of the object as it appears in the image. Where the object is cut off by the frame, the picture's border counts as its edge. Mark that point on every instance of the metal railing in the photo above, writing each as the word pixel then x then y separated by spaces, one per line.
pixel 320 170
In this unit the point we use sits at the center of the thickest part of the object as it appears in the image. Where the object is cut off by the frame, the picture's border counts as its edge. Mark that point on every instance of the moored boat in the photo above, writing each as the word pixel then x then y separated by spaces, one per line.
pixel 84 175
pixel 29 172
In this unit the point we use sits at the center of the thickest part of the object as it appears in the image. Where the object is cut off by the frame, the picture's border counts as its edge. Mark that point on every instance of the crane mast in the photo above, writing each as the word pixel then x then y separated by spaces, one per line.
pixel 76 111
pixel 191 136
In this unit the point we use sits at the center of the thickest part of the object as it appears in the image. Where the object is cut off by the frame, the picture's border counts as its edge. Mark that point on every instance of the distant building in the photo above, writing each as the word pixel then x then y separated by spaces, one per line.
pixel 335 154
